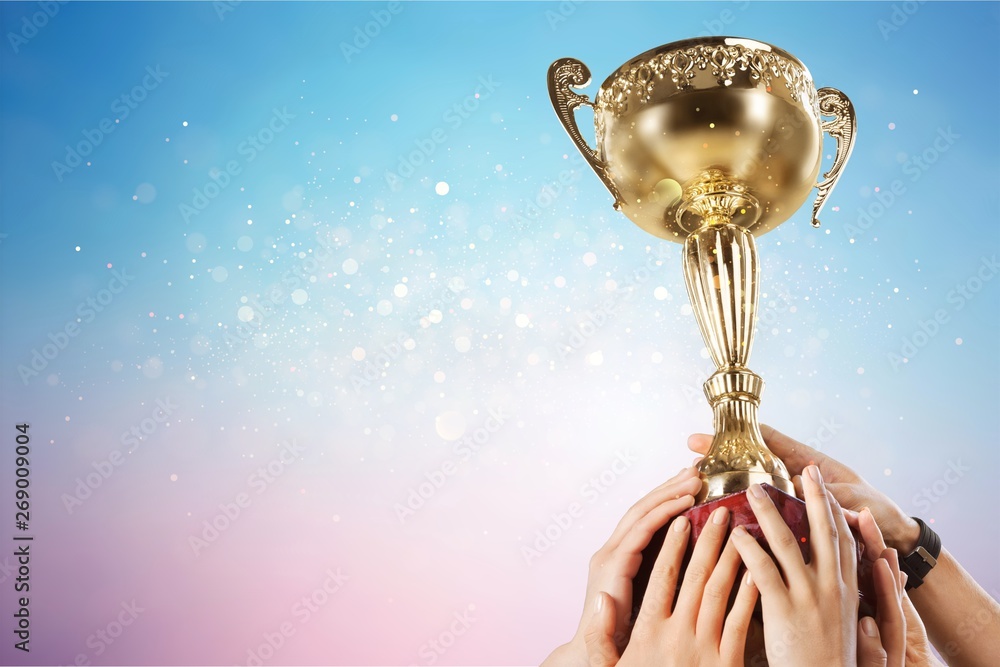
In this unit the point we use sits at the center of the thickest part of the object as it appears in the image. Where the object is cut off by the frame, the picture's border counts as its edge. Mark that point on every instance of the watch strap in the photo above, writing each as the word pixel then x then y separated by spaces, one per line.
pixel 919 562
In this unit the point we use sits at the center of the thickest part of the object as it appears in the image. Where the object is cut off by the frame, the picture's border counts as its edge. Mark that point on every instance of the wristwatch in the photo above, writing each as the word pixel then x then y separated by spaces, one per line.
pixel 918 563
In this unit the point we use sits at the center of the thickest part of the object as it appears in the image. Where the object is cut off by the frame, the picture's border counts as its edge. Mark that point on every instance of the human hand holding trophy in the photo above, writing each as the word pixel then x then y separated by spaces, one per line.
pixel 711 142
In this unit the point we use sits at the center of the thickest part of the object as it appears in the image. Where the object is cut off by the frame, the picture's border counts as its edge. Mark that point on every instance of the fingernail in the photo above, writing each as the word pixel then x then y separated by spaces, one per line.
pixel 598 604
pixel 747 579
pixel 739 531
pixel 697 460
pixel 814 474
pixel 868 625
pixel 681 524
pixel 720 516
pixel 757 491
pixel 904 577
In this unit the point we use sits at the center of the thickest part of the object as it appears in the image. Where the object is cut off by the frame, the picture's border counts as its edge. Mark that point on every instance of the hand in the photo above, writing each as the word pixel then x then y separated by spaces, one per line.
pixel 615 564
pixel 851 491
pixel 809 611
pixel 882 641
pixel 916 647
pixel 694 632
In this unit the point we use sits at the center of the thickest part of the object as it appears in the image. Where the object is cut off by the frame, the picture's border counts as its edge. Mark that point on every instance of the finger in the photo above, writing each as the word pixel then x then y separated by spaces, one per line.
pixel 642 531
pixel 700 443
pixel 797 484
pixel 599 635
pixel 848 548
pixel 715 599
pixel 663 580
pixel 779 537
pixel 764 572
pixel 870 650
pixel 717 591
pixel 734 634
pixel 795 455
pixel 891 557
pixel 824 537
pixel 870 533
pixel 626 560
pixel 686 482
pixel 890 618
pixel 702 563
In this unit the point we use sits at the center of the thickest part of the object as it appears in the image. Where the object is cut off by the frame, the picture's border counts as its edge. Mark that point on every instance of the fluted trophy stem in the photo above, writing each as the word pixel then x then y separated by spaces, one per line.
pixel 721 272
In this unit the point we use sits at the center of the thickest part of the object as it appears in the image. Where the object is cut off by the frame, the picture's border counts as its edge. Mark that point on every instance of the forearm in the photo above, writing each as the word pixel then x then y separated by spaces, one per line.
pixel 962 620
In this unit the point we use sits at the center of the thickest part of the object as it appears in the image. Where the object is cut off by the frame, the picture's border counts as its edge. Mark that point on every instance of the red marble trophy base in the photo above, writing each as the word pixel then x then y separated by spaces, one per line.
pixel 792 510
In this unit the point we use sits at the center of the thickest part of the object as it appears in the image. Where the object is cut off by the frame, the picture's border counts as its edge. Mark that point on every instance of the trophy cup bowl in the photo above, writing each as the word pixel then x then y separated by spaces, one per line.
pixel 711 142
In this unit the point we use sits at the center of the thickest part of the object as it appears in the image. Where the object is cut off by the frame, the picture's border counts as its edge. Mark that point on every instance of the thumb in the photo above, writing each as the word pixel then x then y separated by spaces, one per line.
pixel 599 634
pixel 870 650
pixel 700 443
pixel 795 455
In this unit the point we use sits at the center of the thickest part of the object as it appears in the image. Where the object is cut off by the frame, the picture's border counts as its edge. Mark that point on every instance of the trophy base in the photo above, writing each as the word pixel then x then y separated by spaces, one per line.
pixel 792 510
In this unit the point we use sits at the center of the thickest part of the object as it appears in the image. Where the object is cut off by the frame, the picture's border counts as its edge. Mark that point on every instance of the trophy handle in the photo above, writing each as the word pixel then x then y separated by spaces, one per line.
pixel 843 128
pixel 564 74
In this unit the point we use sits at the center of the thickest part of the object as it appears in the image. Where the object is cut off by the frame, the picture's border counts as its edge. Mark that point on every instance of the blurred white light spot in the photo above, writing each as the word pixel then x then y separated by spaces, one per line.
pixel 450 425
pixel 442 188
pixel 299 297
pixel 350 266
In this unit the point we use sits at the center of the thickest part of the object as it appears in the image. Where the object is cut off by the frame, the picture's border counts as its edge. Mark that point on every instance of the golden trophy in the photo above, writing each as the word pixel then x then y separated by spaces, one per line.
pixel 711 142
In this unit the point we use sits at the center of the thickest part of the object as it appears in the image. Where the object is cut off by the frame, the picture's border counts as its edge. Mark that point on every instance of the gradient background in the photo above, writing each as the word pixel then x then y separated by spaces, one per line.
pixel 838 302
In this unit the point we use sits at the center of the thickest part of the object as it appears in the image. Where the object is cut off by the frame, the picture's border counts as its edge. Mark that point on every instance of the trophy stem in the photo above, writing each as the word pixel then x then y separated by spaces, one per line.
pixel 721 272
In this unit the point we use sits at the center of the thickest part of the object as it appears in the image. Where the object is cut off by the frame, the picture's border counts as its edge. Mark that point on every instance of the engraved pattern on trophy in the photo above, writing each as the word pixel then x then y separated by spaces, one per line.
pixel 843 128
pixel 564 74
pixel 725 60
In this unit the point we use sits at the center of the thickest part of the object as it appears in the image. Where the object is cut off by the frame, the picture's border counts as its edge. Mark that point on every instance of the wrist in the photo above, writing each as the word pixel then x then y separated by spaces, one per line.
pixel 904 536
